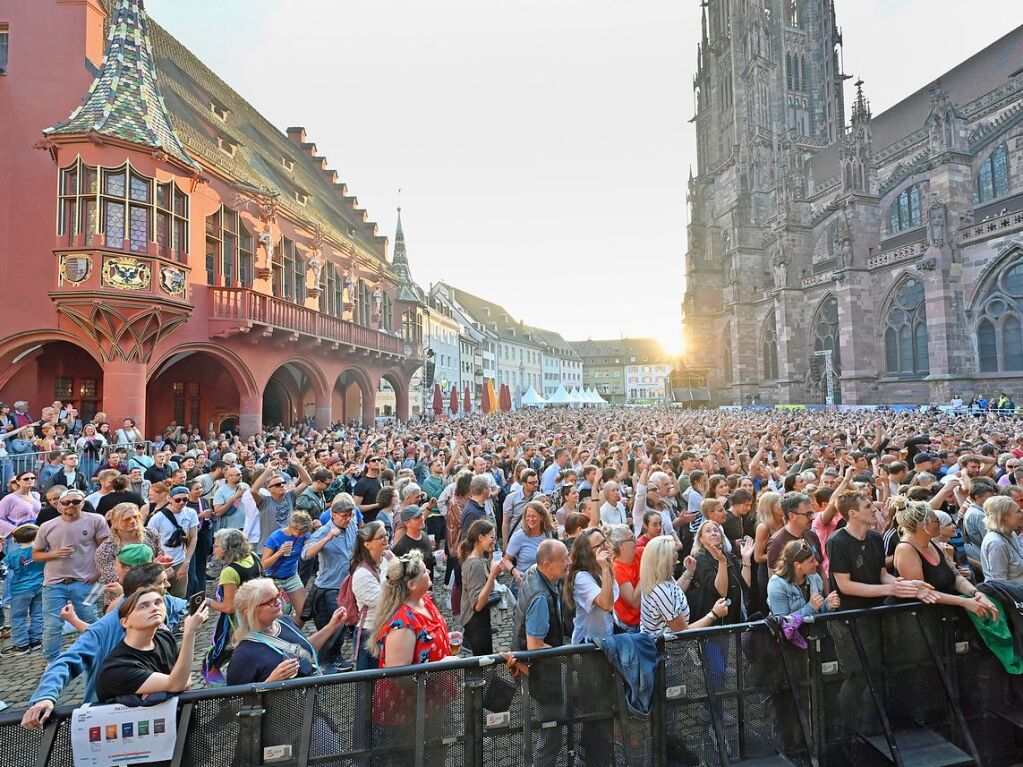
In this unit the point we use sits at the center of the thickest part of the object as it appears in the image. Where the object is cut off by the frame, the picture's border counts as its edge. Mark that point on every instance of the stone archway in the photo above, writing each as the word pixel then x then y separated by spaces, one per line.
pixel 44 367
pixel 353 397
pixel 296 392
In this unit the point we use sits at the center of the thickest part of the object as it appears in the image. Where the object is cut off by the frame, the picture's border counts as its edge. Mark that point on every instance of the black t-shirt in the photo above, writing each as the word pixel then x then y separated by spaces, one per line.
pixel 736 527
pixel 702 593
pixel 424 544
pixel 126 668
pixel 367 488
pixel 862 560
pixel 158 474
pixel 108 501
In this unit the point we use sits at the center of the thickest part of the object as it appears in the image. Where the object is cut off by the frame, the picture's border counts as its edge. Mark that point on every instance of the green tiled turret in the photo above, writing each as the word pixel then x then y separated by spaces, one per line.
pixel 124 101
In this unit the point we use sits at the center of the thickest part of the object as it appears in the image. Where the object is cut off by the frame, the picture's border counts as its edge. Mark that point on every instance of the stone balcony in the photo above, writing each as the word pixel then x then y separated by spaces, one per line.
pixel 235 311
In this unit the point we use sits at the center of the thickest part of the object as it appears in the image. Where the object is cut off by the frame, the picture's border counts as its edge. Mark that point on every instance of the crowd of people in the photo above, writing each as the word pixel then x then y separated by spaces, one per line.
pixel 333 549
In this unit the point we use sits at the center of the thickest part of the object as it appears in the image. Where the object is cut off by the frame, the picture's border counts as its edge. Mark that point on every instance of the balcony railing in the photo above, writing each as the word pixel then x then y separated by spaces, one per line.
pixel 240 309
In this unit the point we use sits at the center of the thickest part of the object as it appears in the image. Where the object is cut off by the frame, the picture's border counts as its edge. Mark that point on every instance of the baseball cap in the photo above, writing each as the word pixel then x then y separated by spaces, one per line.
pixel 411 512
pixel 922 458
pixel 179 490
pixel 133 554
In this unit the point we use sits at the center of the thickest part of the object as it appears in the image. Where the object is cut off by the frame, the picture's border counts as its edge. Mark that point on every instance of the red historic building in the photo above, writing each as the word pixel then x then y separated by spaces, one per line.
pixel 167 253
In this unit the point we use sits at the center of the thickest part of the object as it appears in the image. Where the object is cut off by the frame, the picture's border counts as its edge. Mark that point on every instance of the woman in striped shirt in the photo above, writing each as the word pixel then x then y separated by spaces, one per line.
pixel 663 604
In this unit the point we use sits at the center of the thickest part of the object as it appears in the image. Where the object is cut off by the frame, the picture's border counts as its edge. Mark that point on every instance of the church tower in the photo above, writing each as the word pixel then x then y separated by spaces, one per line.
pixel 767 96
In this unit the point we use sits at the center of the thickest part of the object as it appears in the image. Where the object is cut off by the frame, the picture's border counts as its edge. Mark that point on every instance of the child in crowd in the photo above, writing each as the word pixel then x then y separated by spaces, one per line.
pixel 25 578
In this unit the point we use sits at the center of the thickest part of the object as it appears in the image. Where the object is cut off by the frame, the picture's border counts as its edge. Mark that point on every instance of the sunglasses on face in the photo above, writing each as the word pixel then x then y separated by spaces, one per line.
pixel 178 500
pixel 71 503
pixel 275 484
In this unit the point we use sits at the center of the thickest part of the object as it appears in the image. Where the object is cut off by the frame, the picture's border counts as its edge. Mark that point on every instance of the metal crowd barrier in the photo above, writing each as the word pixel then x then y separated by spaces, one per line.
pixel 903 685
pixel 13 464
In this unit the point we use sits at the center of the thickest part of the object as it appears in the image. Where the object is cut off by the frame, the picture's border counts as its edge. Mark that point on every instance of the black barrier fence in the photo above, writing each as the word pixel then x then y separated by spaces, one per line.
pixel 903 685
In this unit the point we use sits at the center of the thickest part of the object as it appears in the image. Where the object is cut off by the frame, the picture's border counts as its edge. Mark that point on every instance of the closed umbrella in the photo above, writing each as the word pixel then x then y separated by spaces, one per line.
pixel 487 404
pixel 466 401
pixel 505 398
pixel 438 400
pixel 453 405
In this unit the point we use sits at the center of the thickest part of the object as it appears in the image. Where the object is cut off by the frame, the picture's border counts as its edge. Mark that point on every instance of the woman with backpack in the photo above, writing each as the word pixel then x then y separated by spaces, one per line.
pixel 232 548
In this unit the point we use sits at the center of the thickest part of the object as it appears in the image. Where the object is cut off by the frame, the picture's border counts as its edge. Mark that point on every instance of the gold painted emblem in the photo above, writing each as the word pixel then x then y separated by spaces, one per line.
pixel 75 268
pixel 172 281
pixel 127 274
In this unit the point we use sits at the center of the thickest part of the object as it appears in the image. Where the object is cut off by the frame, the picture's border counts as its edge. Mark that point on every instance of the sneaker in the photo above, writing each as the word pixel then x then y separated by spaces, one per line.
pixel 15 650
pixel 33 646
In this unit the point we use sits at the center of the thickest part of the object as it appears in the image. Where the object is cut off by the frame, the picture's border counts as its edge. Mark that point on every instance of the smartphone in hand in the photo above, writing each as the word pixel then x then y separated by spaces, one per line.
pixel 195 602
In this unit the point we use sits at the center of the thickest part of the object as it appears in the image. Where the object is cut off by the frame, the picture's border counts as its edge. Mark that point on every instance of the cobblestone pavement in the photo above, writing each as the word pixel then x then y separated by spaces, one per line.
pixel 19 675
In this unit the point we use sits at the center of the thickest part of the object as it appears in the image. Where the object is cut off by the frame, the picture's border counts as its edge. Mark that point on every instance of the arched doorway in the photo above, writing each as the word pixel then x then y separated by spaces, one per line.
pixel 386 400
pixel 47 370
pixel 193 388
pixel 290 396
pixel 398 385
pixel 350 396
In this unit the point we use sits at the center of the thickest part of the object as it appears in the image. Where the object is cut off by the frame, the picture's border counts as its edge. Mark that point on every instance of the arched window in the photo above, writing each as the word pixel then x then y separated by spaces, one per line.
pixel 904 212
pixel 993 176
pixel 793 13
pixel 726 355
pixel 905 335
pixel 1000 321
pixel 802 74
pixel 825 336
pixel 769 347
pixel 788 71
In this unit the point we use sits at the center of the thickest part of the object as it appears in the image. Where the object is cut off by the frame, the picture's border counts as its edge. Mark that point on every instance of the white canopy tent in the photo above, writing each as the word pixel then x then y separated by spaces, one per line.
pixel 532 399
pixel 560 397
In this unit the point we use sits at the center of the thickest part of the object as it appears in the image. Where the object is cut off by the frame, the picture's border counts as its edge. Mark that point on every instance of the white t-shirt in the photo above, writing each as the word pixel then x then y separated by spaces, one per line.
pixel 187 520
pixel 366 589
pixel 664 603
pixel 591 622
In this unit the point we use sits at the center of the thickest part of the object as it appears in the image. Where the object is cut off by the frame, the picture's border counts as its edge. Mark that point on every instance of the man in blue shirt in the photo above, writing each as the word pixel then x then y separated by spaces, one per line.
pixel 550 474
pixel 88 652
pixel 334 544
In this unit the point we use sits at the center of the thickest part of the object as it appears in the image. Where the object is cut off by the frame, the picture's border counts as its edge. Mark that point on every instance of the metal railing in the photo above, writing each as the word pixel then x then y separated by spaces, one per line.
pixel 720 696
pixel 12 464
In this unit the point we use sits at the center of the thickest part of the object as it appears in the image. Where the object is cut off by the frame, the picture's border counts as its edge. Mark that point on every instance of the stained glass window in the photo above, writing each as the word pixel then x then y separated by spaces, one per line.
pixel 113 224
pixel 904 212
pixel 139 233
pixel 987 347
pixel 993 176
pixel 139 189
pixel 769 347
pixel 1012 343
pixel 905 337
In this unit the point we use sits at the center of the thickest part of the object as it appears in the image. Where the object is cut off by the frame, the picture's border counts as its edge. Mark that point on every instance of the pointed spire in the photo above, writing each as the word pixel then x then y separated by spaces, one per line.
pixel 124 101
pixel 861 107
pixel 407 288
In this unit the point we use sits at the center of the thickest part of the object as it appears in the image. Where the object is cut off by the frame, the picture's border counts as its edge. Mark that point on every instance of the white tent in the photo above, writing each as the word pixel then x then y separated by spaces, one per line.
pixel 597 399
pixel 576 397
pixel 592 397
pixel 532 399
pixel 560 397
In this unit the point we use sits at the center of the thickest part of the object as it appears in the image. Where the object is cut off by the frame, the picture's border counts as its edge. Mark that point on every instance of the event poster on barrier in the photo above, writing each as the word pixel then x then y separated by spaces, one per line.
pixel 109 736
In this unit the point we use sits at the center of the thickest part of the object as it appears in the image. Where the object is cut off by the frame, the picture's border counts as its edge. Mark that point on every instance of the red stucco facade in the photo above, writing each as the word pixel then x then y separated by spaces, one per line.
pixel 135 329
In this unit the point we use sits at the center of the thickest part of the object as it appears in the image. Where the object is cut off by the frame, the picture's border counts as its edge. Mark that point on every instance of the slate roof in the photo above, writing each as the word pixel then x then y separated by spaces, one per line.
pixel 978 75
pixel 622 347
pixel 553 340
pixel 124 101
pixel 494 316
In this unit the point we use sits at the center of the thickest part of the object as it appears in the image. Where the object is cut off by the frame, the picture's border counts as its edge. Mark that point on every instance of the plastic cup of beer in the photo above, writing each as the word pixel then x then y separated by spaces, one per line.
pixel 455 638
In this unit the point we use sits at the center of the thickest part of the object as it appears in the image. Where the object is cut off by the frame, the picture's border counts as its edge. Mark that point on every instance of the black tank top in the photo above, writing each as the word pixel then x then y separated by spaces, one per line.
pixel 941 576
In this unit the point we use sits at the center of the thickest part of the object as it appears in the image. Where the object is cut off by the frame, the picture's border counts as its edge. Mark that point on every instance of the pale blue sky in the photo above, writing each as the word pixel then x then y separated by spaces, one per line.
pixel 542 146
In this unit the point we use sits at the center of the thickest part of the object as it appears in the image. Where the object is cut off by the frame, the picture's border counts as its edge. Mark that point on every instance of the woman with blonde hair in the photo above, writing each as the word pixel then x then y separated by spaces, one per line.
pixel 769 521
pixel 1001 552
pixel 125 527
pixel 268 645
pixel 409 629
pixel 918 558
pixel 663 603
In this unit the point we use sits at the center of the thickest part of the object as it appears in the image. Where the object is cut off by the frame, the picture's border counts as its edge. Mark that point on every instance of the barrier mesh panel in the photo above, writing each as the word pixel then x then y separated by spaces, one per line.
pixel 502 737
pixel 18 746
pixel 213 736
pixel 913 689
pixel 848 707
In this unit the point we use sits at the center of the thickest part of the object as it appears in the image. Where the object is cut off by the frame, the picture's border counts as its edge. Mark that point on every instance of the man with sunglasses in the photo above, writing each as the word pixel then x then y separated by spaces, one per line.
pixel 367 488
pixel 177 525
pixel 67 547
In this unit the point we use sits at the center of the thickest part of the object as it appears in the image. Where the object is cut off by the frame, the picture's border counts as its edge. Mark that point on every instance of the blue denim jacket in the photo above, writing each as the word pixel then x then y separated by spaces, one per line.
pixel 785 598
pixel 634 656
pixel 87 653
